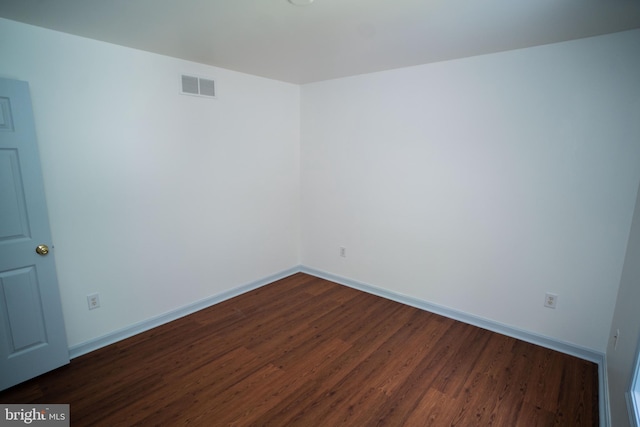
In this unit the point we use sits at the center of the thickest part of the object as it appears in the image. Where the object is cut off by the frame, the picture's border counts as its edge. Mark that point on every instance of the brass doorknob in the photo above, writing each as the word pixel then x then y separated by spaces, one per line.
pixel 42 250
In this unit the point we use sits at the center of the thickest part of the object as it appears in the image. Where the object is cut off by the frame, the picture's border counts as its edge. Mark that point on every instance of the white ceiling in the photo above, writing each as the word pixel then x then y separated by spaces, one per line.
pixel 329 38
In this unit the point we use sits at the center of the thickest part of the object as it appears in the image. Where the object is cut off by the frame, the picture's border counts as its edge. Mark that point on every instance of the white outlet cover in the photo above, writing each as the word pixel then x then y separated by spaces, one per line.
pixel 550 300
pixel 93 301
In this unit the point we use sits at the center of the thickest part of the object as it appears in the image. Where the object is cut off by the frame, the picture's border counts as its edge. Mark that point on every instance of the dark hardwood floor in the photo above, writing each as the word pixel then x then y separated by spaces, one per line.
pixel 307 352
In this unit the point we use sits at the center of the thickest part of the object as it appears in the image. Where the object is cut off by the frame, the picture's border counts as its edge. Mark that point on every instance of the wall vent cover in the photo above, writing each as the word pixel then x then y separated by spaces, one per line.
pixel 198 86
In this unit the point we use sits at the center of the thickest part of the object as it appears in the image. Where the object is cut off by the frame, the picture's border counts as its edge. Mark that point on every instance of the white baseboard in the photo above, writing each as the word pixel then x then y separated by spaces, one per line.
pixel 541 340
pixel 145 325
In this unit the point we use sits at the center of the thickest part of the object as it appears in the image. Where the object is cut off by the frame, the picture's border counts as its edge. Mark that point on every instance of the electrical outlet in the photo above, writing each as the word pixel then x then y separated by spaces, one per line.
pixel 93 301
pixel 343 252
pixel 550 300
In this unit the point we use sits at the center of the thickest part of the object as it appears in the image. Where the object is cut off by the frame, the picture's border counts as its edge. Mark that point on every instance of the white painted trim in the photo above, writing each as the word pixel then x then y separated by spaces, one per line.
pixel 603 395
pixel 145 325
pixel 541 340
pixel 632 396
pixel 631 409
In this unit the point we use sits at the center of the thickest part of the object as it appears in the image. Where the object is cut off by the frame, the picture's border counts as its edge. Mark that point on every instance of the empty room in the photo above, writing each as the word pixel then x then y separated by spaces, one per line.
pixel 319 213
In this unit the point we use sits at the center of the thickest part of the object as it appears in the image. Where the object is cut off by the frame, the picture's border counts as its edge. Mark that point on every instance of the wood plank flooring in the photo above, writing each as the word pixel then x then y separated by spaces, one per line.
pixel 303 351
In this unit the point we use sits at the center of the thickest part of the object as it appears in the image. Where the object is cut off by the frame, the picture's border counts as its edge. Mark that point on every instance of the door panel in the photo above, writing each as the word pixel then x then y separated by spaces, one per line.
pixel 6 122
pixel 13 212
pixel 32 335
pixel 24 316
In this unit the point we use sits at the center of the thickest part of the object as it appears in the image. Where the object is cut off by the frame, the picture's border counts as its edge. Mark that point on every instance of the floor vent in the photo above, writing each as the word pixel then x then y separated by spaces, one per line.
pixel 198 86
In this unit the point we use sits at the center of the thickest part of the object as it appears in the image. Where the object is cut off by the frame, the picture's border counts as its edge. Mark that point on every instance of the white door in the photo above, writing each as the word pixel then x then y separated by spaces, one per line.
pixel 32 335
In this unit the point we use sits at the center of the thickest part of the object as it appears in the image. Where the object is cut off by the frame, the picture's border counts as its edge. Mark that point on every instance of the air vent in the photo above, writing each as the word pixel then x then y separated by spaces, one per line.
pixel 207 87
pixel 198 86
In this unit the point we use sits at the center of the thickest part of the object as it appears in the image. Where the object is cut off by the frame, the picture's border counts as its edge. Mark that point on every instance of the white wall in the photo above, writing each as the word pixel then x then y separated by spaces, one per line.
pixel 476 184
pixel 156 199
pixel 620 361
pixel 480 184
